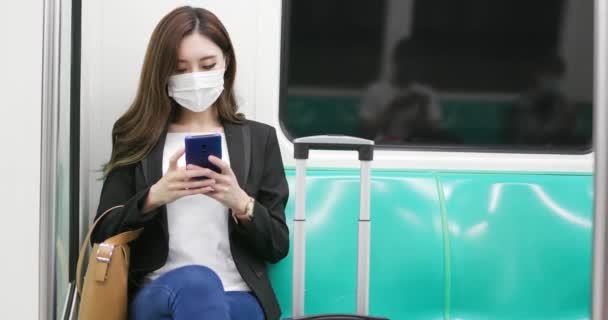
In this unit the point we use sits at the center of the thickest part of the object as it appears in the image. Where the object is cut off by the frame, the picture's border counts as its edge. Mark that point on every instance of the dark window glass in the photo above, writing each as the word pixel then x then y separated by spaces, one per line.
pixel 513 75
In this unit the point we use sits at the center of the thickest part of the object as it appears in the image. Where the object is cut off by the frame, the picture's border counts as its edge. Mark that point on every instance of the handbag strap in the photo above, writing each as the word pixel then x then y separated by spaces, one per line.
pixel 119 239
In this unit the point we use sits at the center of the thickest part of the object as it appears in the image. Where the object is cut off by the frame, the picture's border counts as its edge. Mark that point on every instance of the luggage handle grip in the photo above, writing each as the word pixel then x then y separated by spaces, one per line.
pixel 364 147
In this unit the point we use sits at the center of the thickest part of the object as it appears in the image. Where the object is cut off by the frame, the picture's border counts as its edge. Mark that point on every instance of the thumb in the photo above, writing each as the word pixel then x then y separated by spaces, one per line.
pixel 173 161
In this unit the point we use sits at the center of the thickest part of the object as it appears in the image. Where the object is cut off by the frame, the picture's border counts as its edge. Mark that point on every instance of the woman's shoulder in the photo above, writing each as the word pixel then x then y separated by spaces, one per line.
pixel 261 133
pixel 259 128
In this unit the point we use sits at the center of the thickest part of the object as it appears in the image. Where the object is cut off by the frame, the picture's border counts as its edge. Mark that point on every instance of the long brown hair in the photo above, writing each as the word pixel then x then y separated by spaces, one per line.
pixel 137 131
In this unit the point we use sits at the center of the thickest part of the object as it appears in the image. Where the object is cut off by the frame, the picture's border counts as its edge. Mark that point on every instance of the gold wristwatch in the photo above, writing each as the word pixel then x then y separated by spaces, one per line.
pixel 248 213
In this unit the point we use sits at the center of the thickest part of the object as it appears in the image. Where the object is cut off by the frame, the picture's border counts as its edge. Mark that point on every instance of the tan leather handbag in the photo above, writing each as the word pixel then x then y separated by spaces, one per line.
pixel 104 293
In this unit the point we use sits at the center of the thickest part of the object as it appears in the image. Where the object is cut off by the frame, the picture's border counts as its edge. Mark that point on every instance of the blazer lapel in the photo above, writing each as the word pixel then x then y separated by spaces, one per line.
pixel 153 162
pixel 152 166
pixel 239 149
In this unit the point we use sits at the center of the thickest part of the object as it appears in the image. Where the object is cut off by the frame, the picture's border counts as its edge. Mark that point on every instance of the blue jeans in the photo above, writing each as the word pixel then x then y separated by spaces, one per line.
pixel 192 293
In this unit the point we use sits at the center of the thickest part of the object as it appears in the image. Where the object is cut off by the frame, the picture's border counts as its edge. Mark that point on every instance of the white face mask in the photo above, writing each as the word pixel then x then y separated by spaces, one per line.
pixel 196 91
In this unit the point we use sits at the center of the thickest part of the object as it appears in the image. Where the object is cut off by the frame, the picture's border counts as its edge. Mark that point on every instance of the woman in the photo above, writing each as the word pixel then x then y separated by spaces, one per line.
pixel 205 244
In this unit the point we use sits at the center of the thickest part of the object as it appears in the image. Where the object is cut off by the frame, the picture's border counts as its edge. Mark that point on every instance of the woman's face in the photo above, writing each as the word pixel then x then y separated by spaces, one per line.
pixel 197 53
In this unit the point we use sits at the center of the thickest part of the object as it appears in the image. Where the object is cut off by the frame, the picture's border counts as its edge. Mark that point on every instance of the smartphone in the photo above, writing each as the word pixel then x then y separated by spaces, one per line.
pixel 200 147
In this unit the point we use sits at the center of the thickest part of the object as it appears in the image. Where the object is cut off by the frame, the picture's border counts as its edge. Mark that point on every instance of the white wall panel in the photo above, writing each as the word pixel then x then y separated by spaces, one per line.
pixel 20 135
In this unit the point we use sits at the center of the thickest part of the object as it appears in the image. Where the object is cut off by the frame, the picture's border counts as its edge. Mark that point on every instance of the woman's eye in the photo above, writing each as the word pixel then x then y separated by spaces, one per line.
pixel 181 70
pixel 209 67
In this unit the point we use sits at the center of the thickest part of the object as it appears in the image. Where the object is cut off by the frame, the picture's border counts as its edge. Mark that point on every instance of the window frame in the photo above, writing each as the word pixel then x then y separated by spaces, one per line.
pixel 487 149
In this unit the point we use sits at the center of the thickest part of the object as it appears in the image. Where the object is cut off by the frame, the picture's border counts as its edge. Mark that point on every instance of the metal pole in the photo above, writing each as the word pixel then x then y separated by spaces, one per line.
pixel 363 246
pixel 299 245
pixel 600 141
pixel 49 135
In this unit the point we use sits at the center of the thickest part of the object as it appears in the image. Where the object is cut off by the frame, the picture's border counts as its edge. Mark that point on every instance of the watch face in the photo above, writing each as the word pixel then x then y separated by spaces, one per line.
pixel 250 209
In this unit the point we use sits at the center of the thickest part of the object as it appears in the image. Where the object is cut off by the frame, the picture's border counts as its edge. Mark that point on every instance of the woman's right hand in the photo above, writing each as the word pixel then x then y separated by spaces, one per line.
pixel 177 183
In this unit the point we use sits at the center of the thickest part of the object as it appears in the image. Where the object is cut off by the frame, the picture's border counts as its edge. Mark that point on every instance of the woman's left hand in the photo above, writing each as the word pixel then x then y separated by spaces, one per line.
pixel 226 189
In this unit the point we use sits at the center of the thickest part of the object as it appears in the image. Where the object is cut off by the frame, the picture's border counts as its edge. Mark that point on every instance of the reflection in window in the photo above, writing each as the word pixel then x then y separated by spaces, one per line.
pixel 475 73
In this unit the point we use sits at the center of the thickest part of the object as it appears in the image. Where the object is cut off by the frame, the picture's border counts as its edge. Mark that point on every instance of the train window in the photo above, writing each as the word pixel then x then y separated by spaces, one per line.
pixel 511 75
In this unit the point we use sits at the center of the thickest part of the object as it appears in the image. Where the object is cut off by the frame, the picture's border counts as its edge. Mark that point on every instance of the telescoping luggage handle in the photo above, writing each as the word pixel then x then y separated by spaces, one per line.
pixel 333 142
pixel 365 148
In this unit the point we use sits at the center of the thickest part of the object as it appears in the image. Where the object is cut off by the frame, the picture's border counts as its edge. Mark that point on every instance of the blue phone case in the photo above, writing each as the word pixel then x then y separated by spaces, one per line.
pixel 200 147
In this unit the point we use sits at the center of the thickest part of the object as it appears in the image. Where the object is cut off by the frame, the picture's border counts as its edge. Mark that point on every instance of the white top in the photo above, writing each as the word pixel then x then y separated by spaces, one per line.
pixel 198 228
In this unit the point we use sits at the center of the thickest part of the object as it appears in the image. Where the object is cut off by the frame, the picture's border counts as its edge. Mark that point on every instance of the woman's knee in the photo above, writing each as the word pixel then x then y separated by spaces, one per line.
pixel 196 278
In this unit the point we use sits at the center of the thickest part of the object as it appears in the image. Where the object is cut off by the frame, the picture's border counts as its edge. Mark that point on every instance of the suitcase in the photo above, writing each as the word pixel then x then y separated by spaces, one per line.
pixel 365 148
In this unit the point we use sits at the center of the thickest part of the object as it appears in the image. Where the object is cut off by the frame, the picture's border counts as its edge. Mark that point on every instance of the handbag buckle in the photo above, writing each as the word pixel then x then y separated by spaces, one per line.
pixel 104 252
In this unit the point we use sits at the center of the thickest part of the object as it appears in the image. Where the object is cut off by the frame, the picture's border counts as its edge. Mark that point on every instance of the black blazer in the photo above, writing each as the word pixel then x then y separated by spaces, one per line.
pixel 256 161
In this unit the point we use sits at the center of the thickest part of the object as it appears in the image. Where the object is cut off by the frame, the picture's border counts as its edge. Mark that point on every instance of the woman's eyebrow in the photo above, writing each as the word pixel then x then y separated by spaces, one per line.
pixel 201 59
pixel 207 58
